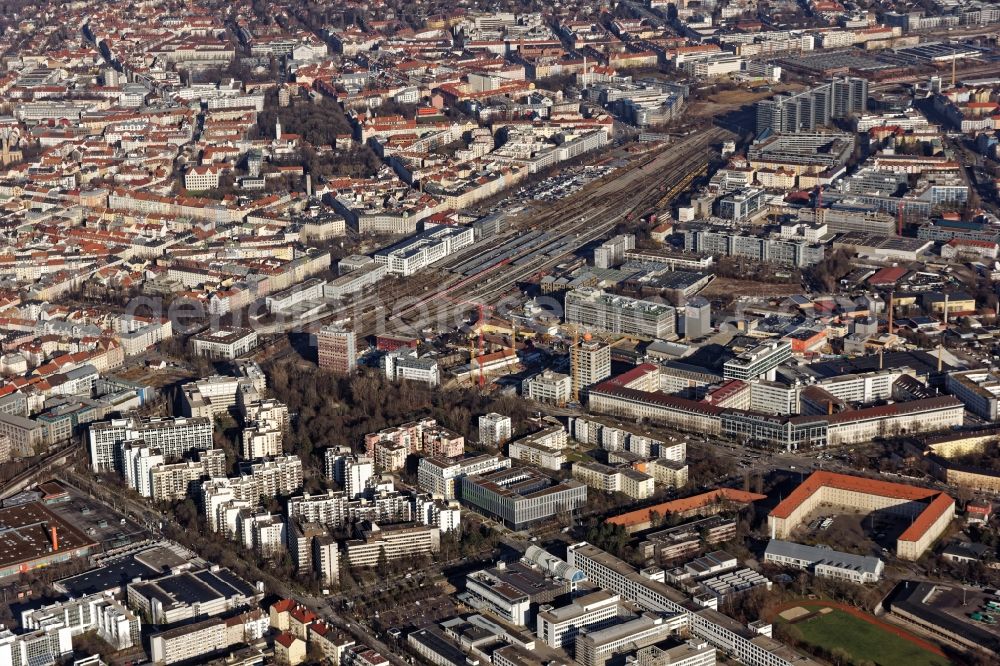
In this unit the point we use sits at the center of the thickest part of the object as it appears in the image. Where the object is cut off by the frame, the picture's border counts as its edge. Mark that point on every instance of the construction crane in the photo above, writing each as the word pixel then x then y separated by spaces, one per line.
pixel 480 323
pixel 954 65
pixel 820 213
pixel 472 357
pixel 513 345
pixel 892 298
pixel 476 341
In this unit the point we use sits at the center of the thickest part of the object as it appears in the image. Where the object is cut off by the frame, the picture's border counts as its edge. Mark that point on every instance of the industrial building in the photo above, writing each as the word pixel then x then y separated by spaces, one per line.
pixel 33 537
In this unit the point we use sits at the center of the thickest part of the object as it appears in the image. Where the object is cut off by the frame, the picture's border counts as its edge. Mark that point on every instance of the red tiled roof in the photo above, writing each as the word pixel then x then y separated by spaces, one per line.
pixel 927 517
pixel 909 407
pixel 320 627
pixel 685 504
pixel 939 502
pixel 858 484
pixel 630 376
pixel 971 242
pixel 887 275
pixel 727 390
pixel 658 398
pixel 283 606
pixel 303 614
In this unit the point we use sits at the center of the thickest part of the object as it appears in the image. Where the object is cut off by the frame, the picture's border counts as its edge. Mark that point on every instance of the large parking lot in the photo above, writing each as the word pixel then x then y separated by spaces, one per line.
pixel 969 605
pixel 419 613
pixel 564 184
pixel 99 522
pixel 870 534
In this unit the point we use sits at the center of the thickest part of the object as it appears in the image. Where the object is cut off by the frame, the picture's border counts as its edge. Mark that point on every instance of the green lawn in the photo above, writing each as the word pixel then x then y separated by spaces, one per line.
pixel 863 640
pixel 577 456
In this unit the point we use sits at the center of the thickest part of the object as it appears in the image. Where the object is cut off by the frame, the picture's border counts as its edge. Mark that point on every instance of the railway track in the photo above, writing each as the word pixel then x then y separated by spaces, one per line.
pixel 580 204
pixel 581 221
pixel 584 206
pixel 442 295
pixel 50 467
pixel 979 71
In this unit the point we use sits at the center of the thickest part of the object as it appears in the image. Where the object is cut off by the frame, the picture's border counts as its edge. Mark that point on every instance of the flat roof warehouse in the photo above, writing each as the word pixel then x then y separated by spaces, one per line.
pixel 30 534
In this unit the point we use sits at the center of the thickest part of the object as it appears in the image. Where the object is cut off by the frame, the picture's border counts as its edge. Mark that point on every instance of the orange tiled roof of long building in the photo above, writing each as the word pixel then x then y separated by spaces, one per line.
pixel 685 504
pixel 927 518
pixel 858 484
pixel 629 376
